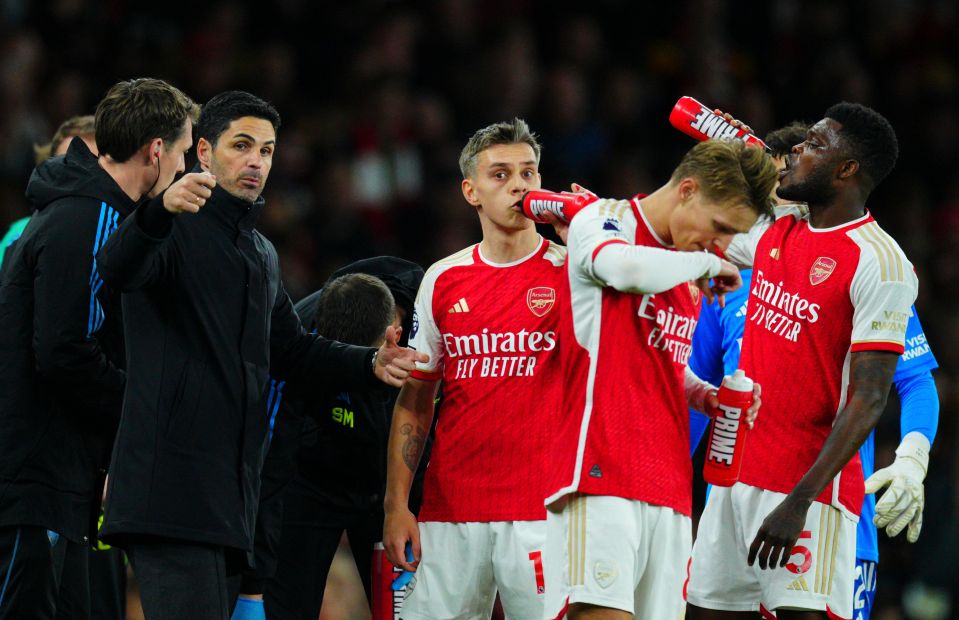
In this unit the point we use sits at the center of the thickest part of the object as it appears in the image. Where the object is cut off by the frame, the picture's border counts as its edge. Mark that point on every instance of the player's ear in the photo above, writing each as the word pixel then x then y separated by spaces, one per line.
pixel 469 192
pixel 848 169
pixel 687 189
pixel 204 151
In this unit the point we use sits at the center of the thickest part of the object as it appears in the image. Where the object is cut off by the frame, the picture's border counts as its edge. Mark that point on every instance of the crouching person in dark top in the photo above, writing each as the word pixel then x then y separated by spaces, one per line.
pixel 326 469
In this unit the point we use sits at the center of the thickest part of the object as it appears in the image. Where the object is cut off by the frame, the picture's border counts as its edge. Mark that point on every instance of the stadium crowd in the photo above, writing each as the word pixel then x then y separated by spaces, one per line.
pixel 378 98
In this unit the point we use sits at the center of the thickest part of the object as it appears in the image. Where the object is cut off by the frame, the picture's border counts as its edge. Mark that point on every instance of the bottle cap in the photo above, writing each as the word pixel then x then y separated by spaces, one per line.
pixel 738 381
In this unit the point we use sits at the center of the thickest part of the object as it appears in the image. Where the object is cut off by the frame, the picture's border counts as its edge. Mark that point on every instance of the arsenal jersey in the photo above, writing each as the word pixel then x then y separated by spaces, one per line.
pixel 626 431
pixel 491 333
pixel 817 296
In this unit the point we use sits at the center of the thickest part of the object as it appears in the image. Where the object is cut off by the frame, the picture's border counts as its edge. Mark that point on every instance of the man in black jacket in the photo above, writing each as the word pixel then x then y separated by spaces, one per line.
pixel 61 350
pixel 212 322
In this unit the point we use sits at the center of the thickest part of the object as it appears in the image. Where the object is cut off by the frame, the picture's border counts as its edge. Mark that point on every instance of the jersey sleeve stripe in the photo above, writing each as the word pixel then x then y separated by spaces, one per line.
pixel 878 345
pixel 881 253
pixel 622 208
pixel 422 375
pixel 889 260
pixel 894 248
pixel 453 259
pixel 604 244
pixel 556 254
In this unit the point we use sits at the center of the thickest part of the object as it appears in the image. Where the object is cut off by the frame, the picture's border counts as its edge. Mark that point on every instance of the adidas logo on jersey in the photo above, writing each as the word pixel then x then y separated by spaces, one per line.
pixel 799 585
pixel 459 306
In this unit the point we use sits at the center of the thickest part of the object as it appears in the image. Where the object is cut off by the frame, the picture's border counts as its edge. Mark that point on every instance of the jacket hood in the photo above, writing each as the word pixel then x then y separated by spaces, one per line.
pixel 75 174
pixel 401 276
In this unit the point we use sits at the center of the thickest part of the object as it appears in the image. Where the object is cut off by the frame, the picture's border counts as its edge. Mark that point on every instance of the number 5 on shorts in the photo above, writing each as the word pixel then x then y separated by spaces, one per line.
pixel 799 569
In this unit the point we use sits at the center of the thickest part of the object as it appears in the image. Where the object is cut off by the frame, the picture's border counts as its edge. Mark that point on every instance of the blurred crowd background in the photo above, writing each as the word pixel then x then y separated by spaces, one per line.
pixel 378 98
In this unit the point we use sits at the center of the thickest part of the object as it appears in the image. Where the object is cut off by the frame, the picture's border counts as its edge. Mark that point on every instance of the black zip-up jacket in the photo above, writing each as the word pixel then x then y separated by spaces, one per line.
pixel 61 349
pixel 207 320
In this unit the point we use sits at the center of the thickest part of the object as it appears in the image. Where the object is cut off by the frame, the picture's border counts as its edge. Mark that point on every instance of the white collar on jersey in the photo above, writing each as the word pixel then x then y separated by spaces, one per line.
pixel 843 225
pixel 539 246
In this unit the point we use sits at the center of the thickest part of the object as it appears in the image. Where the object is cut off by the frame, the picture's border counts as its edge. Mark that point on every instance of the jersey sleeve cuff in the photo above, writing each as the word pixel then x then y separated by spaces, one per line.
pixel 604 244
pixel 879 345
pixel 424 375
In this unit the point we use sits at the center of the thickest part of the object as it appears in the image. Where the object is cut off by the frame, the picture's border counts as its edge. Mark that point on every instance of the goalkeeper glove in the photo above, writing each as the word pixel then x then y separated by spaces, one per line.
pixel 902 503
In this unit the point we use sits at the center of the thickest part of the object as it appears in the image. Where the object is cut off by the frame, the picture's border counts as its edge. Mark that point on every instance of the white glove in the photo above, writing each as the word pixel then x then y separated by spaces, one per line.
pixel 904 498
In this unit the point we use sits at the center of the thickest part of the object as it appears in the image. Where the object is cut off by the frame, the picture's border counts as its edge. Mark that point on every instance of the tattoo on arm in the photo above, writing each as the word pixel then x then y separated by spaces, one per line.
pixel 413 446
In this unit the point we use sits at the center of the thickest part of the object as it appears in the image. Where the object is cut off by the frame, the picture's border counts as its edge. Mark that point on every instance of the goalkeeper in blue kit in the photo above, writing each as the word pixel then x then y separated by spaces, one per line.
pixel 715 352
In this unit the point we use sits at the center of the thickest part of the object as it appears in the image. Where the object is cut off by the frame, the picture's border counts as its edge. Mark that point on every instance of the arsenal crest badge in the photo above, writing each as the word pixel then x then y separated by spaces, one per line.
pixel 821 270
pixel 540 300
pixel 694 292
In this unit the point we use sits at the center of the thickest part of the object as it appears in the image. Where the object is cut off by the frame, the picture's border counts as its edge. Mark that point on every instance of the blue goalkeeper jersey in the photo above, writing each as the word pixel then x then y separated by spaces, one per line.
pixel 717 343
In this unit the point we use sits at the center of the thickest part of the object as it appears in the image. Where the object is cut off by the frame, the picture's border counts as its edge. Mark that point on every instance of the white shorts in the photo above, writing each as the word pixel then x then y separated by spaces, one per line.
pixel 821 568
pixel 464 564
pixel 617 553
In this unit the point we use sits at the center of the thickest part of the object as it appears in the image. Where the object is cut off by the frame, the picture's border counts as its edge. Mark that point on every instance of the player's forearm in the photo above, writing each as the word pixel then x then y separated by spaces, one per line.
pixel 919 402
pixel 640 269
pixel 696 390
pixel 870 376
pixel 412 417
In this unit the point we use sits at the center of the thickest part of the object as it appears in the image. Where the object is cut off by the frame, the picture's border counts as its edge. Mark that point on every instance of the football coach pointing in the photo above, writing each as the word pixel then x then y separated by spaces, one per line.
pixel 208 322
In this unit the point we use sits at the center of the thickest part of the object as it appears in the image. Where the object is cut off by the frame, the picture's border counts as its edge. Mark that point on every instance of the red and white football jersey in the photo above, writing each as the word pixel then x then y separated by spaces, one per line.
pixel 626 431
pixel 817 296
pixel 491 333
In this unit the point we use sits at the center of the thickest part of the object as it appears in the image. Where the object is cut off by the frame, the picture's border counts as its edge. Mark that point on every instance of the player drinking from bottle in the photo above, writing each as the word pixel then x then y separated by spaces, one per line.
pixel 619 529
pixel 827 313
pixel 716 352
pixel 488 318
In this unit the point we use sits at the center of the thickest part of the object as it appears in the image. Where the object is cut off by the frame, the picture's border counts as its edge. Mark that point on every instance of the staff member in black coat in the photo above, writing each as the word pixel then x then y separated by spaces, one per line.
pixel 212 321
pixel 61 350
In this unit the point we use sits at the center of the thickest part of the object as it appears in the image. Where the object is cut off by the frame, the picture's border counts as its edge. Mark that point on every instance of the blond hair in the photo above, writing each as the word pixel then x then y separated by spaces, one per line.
pixel 75 126
pixel 731 171
pixel 510 132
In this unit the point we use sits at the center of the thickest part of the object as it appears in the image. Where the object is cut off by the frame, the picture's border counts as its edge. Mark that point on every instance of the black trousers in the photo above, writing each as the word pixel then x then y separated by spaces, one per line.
pixel 33 564
pixel 180 579
pixel 108 584
pixel 305 554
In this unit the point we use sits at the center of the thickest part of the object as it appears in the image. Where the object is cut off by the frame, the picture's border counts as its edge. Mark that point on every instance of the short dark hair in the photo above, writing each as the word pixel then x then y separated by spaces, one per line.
pixel 870 138
pixel 226 107
pixel 134 112
pixel 781 141
pixel 355 308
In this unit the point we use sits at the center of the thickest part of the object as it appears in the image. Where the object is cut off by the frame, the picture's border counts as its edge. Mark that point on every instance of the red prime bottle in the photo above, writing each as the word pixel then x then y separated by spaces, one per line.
pixel 563 205
pixel 696 120
pixel 387 602
pixel 727 435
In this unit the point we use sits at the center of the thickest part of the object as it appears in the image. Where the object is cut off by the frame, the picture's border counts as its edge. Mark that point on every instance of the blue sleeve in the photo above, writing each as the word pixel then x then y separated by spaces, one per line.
pixel 914 383
pixel 698 423
pixel 917 356
pixel 706 361
pixel 706 358
pixel 920 404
